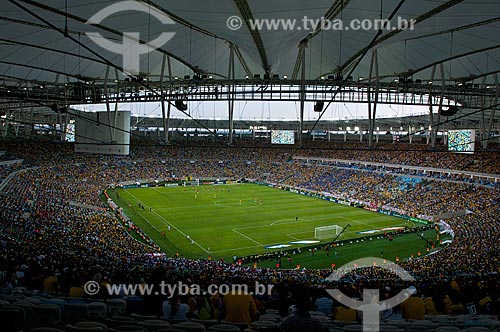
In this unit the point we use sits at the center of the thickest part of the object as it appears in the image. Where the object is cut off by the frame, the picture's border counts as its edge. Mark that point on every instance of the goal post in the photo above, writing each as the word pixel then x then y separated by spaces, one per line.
pixel 325 232
pixel 191 182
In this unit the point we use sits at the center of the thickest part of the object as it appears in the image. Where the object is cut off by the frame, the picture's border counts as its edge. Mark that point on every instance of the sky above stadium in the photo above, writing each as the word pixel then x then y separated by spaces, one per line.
pixel 263 111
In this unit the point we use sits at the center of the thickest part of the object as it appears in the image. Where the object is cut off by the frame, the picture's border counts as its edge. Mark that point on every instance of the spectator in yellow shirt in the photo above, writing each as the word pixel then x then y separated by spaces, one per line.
pixel 413 308
pixel 239 308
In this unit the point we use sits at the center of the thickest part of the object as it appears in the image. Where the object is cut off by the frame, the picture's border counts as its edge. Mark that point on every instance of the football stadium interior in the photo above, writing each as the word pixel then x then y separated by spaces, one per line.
pixel 235 165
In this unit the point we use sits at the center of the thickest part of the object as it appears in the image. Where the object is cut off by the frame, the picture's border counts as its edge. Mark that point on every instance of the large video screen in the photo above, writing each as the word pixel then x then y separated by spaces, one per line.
pixel 461 141
pixel 282 137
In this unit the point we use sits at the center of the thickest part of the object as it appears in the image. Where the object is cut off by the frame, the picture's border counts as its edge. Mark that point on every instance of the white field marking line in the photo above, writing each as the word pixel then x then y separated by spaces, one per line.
pixel 167 222
pixel 299 233
pixel 186 192
pixel 165 209
pixel 293 237
pixel 249 206
pixel 193 206
pixel 251 227
pixel 257 226
pixel 226 205
pixel 126 190
pixel 249 238
pixel 360 222
pixel 245 204
pixel 287 221
pixel 357 221
pixel 179 207
pixel 233 249
pixel 159 191
pixel 233 205
pixel 363 223
pixel 201 205
pixel 183 207
pixel 301 220
pixel 291 221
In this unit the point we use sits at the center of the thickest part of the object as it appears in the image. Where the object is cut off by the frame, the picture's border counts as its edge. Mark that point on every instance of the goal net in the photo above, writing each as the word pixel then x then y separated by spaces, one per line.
pixel 325 232
pixel 190 183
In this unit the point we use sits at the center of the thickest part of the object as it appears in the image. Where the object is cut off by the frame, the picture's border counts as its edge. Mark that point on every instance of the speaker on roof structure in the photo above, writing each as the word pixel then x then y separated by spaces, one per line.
pixel 318 106
pixel 181 105
pixel 452 110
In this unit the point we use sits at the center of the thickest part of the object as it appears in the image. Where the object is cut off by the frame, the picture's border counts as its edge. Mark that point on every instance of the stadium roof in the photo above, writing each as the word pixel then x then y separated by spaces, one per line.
pixel 48 41
pixel 452 41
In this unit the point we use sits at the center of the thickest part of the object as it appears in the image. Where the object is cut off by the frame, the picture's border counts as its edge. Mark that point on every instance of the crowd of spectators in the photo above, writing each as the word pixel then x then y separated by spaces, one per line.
pixel 58 233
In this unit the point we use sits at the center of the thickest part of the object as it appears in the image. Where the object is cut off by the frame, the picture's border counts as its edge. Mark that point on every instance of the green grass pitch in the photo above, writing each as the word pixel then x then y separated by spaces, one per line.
pixel 244 219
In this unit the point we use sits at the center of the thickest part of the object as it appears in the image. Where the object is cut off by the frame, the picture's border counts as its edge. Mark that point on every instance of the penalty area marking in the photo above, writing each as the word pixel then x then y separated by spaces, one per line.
pixel 166 221
pixel 293 221
pixel 289 221
pixel 283 222
pixel 246 237
pixel 293 237
pixel 233 249
pixel 267 225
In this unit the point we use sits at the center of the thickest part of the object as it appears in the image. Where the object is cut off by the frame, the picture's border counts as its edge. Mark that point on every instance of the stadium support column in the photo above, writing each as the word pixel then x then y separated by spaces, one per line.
pixel 63 124
pixel 108 107
pixel 230 95
pixel 372 116
pixel 17 124
pixel 165 111
pixel 482 126
pixel 112 127
pixel 4 127
pixel 66 122
pixel 433 127
pixel 486 138
pixel 431 115
pixel 60 123
pixel 440 109
pixel 28 128
pixel 117 92
pixel 302 51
